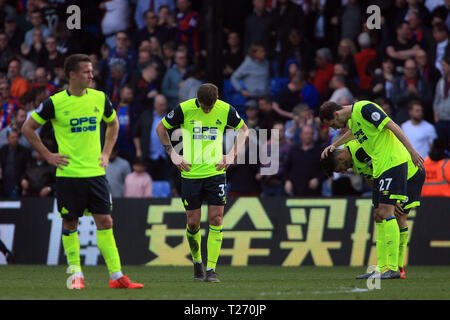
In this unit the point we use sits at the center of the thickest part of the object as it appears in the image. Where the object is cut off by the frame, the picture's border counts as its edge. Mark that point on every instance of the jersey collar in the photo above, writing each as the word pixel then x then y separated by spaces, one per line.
pixel 68 93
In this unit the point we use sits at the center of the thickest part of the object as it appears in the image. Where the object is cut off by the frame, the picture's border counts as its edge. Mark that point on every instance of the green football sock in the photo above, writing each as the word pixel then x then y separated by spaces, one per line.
pixel 402 246
pixel 195 239
pixel 392 240
pixel 107 246
pixel 380 246
pixel 214 244
pixel 71 245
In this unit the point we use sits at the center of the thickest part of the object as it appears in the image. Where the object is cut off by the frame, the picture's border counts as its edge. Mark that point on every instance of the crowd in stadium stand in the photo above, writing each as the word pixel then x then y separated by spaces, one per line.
pixel 281 59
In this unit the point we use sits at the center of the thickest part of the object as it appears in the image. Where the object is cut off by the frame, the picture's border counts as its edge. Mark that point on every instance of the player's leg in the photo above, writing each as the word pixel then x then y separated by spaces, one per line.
pixel 215 237
pixel 216 198
pixel 401 216
pixel 192 201
pixel 100 205
pixel 71 200
pixel 380 243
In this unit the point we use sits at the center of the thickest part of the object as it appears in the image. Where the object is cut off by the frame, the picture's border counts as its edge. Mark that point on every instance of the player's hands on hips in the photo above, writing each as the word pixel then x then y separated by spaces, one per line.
pixel 417 159
pixel 328 149
pixel 104 161
pixel 225 162
pixel 58 160
pixel 180 162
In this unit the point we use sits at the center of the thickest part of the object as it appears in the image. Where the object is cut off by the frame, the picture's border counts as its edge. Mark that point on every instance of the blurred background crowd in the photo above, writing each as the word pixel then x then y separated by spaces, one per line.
pixel 275 61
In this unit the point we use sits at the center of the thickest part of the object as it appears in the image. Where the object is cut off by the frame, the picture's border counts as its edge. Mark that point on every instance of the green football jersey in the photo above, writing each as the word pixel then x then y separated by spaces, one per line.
pixel 367 125
pixel 76 122
pixel 362 163
pixel 202 134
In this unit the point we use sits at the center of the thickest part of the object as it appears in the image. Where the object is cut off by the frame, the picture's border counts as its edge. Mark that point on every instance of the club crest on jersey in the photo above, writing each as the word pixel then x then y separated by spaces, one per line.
pixel 376 116
pixel 96 109
pixel 218 122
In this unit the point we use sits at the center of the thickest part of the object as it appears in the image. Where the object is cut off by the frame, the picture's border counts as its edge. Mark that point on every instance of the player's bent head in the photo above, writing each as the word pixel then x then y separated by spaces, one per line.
pixel 327 111
pixel 334 162
pixel 72 63
pixel 207 95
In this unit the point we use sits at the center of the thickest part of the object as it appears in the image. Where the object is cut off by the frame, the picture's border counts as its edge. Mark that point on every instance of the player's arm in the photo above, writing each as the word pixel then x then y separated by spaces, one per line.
pixel 234 121
pixel 112 131
pixel 173 119
pixel 44 113
pixel 346 137
pixel 415 156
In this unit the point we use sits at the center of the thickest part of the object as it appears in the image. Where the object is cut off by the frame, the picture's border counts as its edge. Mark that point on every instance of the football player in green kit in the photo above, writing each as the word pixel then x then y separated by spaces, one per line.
pixel 389 148
pixel 203 121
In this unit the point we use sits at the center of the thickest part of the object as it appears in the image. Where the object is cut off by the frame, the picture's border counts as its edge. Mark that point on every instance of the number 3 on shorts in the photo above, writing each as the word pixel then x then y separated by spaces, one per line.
pixel 222 190
pixel 388 183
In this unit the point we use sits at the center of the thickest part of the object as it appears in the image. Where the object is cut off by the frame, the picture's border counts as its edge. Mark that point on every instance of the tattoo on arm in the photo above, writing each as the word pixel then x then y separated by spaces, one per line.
pixel 168 148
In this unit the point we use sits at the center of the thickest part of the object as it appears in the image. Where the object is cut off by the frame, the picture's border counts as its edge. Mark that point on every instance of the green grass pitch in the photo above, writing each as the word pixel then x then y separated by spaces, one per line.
pixel 238 283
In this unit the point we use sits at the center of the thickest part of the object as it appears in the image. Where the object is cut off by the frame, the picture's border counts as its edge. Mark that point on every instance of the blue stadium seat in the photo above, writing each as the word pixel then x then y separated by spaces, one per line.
pixel 161 189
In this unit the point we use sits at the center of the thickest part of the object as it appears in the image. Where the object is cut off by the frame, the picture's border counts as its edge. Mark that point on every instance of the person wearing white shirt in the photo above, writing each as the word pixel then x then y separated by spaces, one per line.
pixel 418 131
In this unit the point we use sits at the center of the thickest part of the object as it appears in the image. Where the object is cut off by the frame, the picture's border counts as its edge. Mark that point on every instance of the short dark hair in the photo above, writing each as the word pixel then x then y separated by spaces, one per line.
pixel 267 98
pixel 413 103
pixel 11 129
pixel 207 94
pixel 71 64
pixel 329 163
pixel 327 110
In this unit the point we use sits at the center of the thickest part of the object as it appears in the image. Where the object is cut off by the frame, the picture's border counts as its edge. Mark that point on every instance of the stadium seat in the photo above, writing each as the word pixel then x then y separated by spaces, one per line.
pixel 161 189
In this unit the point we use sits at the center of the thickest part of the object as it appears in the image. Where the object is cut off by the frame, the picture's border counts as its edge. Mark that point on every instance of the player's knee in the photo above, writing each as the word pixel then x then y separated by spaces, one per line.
pixel 193 226
pixel 103 221
pixel 216 220
pixel 70 224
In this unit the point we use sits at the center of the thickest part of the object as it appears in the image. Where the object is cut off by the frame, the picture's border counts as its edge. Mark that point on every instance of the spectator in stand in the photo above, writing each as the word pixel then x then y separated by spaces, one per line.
pixel 297 91
pixel 407 87
pixel 302 117
pixel 232 55
pixel 266 113
pixel 441 48
pixel 152 29
pixel 37 21
pixel 402 47
pixel 40 80
pixel 243 178
pixel 363 59
pixel 8 105
pixel 383 79
pixel 173 77
pixel 298 49
pixel 14 160
pixel 169 48
pixel 324 71
pixel 385 105
pixel 258 26
pixel 115 19
pixel 139 183
pixel 441 105
pixel 116 172
pixel 272 185
pixel 146 85
pixel 188 87
pixel 15 35
pixel 340 90
pixel 39 178
pixel 346 52
pixel 418 131
pixel 118 78
pixel 341 69
pixel 426 69
pixel 254 73
pixel 418 32
pixel 19 116
pixel 6 52
pixel 51 45
pixel 121 52
pixel 146 141
pixel 128 112
pixel 36 53
pixel 437 168
pixel 18 84
pixel 252 114
pixel 166 16
pixel 350 20
pixel 285 16
pixel 303 175
pixel 142 6
pixel 187 26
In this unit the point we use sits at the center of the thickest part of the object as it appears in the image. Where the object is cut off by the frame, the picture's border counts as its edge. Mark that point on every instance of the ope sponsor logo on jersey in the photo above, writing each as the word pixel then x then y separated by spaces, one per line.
pixel 83 124
pixel 204 133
